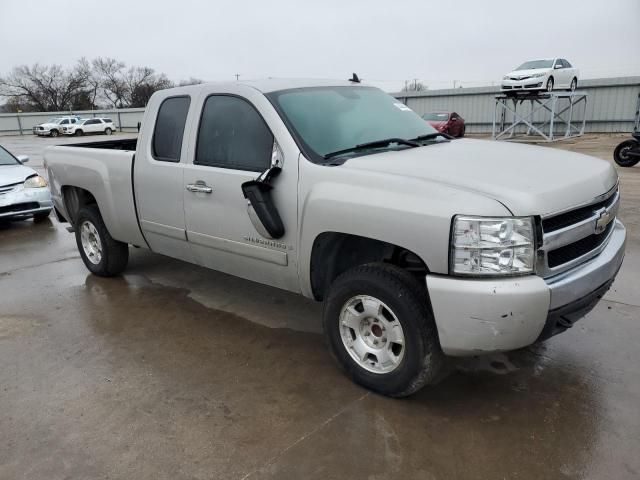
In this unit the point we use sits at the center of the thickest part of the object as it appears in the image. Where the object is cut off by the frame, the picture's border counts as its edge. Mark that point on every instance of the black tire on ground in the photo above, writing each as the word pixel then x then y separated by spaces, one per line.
pixel 41 216
pixel 79 133
pixel 422 359
pixel 462 131
pixel 574 85
pixel 53 133
pixel 549 86
pixel 108 131
pixel 114 254
pixel 621 153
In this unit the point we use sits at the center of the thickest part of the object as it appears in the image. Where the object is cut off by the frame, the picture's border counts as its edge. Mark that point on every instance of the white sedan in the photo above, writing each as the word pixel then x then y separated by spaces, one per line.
pixel 90 125
pixel 547 75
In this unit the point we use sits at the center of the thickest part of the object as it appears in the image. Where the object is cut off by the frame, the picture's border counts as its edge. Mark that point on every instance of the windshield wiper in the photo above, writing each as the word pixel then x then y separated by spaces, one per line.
pixel 431 136
pixel 375 144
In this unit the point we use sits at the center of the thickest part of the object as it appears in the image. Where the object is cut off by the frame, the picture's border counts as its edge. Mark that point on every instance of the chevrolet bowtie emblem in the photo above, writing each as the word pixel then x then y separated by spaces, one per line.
pixel 604 219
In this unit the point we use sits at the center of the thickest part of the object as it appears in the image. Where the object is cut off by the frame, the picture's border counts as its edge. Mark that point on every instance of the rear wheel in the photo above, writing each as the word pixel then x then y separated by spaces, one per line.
pixel 550 84
pixel 108 131
pixel 462 130
pixel 101 254
pixel 574 84
pixel 379 327
pixel 621 153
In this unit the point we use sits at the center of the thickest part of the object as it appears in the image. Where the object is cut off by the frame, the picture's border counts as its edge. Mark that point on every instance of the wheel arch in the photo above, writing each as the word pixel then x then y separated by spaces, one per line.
pixel 333 253
pixel 75 198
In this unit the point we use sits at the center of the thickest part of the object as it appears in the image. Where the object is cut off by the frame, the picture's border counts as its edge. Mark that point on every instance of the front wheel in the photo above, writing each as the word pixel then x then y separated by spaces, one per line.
pixel 379 327
pixel 622 151
pixel 101 254
pixel 53 133
pixel 574 85
pixel 550 84
pixel 79 133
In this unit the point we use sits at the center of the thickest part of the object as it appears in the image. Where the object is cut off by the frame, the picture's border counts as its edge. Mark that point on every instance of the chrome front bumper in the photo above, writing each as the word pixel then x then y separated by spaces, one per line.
pixel 583 279
pixel 475 316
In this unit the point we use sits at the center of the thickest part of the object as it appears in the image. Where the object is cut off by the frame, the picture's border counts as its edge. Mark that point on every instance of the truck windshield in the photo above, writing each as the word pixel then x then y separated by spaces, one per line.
pixel 6 158
pixel 331 119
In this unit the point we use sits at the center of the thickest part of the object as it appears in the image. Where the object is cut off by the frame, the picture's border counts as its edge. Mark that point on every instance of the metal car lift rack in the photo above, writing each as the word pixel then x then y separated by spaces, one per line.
pixel 556 112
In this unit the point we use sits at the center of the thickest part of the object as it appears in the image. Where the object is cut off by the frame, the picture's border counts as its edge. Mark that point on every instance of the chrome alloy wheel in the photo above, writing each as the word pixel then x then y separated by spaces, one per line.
pixel 91 243
pixel 372 334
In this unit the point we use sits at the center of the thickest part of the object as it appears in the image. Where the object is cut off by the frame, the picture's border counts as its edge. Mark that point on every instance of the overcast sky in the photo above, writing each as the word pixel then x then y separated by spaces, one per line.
pixel 471 41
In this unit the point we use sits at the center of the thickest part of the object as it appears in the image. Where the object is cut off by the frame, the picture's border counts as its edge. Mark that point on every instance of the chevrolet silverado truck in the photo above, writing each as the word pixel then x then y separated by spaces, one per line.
pixel 421 247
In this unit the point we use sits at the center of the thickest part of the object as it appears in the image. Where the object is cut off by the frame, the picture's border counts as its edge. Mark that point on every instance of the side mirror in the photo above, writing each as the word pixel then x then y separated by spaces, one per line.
pixel 260 207
pixel 557 67
pixel 23 158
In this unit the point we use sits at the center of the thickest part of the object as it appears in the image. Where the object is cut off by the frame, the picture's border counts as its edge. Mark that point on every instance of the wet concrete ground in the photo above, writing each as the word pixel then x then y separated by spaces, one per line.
pixel 177 372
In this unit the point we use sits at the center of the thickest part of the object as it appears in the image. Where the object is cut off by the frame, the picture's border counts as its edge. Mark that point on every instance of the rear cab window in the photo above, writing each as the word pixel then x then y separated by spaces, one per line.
pixel 168 133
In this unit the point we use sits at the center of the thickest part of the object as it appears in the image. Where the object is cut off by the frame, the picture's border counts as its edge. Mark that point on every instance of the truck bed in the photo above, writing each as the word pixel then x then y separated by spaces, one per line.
pixel 104 170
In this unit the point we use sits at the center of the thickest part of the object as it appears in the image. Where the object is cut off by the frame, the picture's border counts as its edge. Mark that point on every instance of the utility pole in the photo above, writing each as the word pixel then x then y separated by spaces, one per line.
pixel 415 84
pixel 237 76
pixel 454 83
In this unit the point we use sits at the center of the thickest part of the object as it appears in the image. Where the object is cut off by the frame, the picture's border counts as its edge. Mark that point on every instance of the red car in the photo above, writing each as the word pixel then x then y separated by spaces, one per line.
pixel 446 122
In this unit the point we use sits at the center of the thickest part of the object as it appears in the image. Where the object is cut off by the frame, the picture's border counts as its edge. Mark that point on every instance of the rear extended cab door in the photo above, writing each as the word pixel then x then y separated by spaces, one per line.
pixel 231 142
pixel 158 173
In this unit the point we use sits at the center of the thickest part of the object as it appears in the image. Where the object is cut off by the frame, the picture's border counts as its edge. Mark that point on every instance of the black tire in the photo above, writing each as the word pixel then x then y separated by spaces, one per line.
pixel 41 216
pixel 549 86
pixel 54 133
pixel 114 254
pixel 574 85
pixel 620 154
pixel 422 359
pixel 79 133
pixel 108 131
pixel 462 131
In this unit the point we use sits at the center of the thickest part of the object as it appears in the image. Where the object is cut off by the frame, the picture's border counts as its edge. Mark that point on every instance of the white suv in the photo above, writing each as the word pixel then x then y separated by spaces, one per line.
pixel 54 126
pixel 90 125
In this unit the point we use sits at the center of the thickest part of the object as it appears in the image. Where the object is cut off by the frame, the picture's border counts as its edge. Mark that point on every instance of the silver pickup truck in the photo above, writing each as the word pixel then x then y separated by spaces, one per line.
pixel 420 246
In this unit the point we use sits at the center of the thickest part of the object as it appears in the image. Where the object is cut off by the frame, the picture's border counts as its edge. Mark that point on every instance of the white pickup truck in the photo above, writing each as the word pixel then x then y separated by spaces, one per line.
pixel 420 246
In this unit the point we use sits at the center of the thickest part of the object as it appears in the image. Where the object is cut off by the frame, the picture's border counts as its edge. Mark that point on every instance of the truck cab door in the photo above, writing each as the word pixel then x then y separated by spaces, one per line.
pixel 233 146
pixel 158 177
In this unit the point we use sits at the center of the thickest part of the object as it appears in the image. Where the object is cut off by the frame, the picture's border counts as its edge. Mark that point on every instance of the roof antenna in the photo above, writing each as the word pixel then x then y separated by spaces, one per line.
pixel 354 78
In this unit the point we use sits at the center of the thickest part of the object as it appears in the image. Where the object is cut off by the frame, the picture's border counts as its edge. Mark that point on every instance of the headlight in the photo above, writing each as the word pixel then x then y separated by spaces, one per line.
pixel 538 75
pixel 506 77
pixel 35 182
pixel 492 246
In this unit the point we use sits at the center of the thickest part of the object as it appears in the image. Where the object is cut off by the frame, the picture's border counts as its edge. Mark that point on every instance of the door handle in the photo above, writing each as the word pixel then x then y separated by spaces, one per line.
pixel 199 187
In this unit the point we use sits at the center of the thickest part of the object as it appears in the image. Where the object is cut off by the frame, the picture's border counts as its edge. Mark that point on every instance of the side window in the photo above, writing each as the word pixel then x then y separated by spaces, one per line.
pixel 232 134
pixel 566 64
pixel 559 63
pixel 64 122
pixel 92 122
pixel 169 130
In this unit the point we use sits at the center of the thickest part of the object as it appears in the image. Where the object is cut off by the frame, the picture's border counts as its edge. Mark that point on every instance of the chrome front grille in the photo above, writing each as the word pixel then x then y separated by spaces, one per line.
pixel 575 236
pixel 7 188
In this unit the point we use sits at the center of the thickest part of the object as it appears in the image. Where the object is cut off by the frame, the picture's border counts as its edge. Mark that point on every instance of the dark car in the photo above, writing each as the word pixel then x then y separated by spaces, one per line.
pixel 446 122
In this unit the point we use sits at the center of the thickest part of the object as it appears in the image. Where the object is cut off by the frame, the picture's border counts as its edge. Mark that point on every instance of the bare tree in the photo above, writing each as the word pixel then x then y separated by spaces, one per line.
pixel 47 88
pixel 414 86
pixel 113 86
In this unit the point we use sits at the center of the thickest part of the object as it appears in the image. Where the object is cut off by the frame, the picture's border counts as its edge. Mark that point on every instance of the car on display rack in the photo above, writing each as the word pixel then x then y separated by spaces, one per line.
pixel 541 75
pixel 419 246
pixel 446 122
pixel 54 126
pixel 23 193
pixel 88 126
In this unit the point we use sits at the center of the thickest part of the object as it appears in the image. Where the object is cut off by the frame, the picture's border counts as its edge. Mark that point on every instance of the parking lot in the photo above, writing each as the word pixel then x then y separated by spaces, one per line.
pixel 174 371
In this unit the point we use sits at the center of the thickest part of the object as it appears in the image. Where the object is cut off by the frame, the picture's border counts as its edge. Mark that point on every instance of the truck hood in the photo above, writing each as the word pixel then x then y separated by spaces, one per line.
pixel 10 174
pixel 528 180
